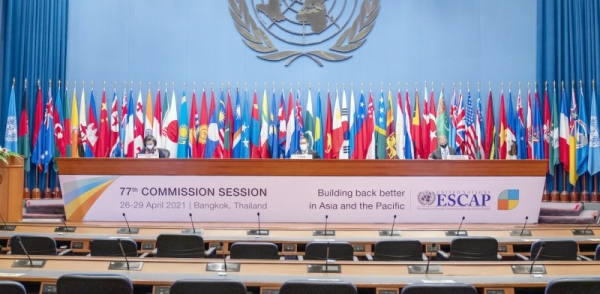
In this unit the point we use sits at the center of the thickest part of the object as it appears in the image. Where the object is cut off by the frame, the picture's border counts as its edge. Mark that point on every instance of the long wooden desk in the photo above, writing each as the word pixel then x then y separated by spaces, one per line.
pixel 164 271
pixel 292 241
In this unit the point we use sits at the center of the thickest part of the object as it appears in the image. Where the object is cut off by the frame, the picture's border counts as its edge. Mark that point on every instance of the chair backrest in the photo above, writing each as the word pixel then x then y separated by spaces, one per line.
pixel 110 247
pixel 11 287
pixel 408 250
pixel 449 288
pixel 253 250
pixel 166 152
pixel 317 287
pixel 207 287
pixel 93 284
pixel 555 250
pixel 337 251
pixel 573 286
pixel 597 254
pixel 35 245
pixel 474 249
pixel 179 246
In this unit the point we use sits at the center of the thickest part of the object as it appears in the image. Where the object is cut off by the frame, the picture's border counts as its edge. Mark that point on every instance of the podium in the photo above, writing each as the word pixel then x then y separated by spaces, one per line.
pixel 11 189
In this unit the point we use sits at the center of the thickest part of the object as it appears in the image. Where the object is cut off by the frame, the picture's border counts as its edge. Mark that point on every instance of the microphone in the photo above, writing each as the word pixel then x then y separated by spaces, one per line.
pixel 129 228
pixel 325 231
pixel 64 228
pixel 459 226
pixel 259 232
pixel 258 216
pixel 523 229
pixel 536 256
pixel 393 223
pixel 123 252
pixel 586 231
pixel 586 228
pixel 433 245
pixel 6 227
pixel 192 221
pixel 24 250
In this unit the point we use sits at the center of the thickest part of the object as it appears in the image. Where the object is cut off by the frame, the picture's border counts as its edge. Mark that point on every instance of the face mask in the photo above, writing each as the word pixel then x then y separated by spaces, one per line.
pixel 303 147
pixel 149 146
pixel 443 145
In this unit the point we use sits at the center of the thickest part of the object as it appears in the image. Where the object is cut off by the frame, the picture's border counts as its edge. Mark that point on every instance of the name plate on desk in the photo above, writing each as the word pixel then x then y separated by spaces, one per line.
pixel 520 233
pixel 144 155
pixel 456 233
pixel 122 265
pixel 29 263
pixel 128 230
pixel 222 267
pixel 422 269
pixel 191 231
pixel 63 229
pixel 8 228
pixel 587 232
pixel 324 268
pixel 390 233
pixel 527 269
pixel 324 233
pixel 257 232
pixel 301 156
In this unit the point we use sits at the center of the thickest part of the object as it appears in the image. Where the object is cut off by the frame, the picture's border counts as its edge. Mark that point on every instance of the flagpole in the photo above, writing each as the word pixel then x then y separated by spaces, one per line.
pixel 36 193
pixel 574 195
pixel 595 194
pixel 584 196
pixel 564 195
pixel 57 192
pixel 554 196
pixel 47 192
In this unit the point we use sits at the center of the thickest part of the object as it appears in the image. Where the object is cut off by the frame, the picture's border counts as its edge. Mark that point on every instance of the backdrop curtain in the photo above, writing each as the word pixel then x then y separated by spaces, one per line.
pixel 568 43
pixel 35 47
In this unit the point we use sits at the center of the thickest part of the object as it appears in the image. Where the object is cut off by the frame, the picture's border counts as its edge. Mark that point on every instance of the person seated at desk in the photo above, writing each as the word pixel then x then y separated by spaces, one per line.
pixel 444 150
pixel 150 147
pixel 304 149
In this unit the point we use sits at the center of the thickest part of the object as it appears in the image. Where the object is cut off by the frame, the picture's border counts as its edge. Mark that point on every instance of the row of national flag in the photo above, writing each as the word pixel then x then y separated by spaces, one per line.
pixel 235 123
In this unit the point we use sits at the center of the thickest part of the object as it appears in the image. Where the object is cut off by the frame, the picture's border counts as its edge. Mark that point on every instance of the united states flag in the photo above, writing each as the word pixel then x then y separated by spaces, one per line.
pixel 471 136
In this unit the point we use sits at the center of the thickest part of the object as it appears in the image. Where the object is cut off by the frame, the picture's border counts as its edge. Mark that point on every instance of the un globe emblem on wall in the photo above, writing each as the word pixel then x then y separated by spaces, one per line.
pixel 322 30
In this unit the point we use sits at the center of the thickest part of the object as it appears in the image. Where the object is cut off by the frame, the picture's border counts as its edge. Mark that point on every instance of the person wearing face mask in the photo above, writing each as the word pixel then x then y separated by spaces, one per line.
pixel 305 150
pixel 150 147
pixel 444 151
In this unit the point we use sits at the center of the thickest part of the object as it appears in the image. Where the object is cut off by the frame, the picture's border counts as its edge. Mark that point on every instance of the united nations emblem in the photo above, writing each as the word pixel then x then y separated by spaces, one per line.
pixel 426 197
pixel 341 24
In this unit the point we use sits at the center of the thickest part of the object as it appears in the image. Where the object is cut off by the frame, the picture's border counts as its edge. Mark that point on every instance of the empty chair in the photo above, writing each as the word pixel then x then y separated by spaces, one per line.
pixel 34 245
pixel 337 251
pixel 554 250
pixel 11 287
pixel 207 287
pixel 253 250
pixel 597 254
pixel 182 246
pixel 317 287
pixel 93 284
pixel 472 249
pixel 449 288
pixel 403 250
pixel 573 286
pixel 110 247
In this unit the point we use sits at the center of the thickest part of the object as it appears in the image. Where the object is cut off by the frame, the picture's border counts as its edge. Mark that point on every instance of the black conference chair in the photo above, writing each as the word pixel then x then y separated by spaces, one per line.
pixel 207 287
pixel 253 250
pixel 317 287
pixel 471 249
pixel 93 284
pixel 166 152
pixel 398 250
pixel 449 288
pixel 110 247
pixel 182 246
pixel 597 254
pixel 554 250
pixel 337 251
pixel 573 286
pixel 35 245
pixel 11 287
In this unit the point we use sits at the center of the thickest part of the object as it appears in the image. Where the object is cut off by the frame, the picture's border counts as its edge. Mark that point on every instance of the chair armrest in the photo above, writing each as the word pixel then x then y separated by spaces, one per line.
pixel 88 255
pixel 64 252
pixel 301 257
pixel 228 257
pixel 144 254
pixel 583 258
pixel 354 258
pixel 424 257
pixel 499 257
pixel 369 257
pixel 154 251
pixel 441 255
pixel 282 258
pixel 211 252
pixel 521 256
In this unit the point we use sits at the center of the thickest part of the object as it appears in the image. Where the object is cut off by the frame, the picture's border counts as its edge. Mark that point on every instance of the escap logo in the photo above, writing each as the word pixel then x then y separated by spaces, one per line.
pixel 426 197
pixel 508 199
pixel 318 29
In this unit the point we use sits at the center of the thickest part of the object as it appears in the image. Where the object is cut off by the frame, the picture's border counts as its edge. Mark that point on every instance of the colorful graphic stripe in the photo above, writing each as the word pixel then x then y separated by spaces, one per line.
pixel 80 195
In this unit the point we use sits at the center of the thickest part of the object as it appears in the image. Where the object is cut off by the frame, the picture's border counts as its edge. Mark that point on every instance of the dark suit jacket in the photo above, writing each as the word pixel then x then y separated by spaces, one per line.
pixel 315 154
pixel 154 151
pixel 437 154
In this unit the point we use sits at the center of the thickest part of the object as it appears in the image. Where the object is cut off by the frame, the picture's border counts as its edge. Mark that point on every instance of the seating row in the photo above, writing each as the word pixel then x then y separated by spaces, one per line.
pixel 84 283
